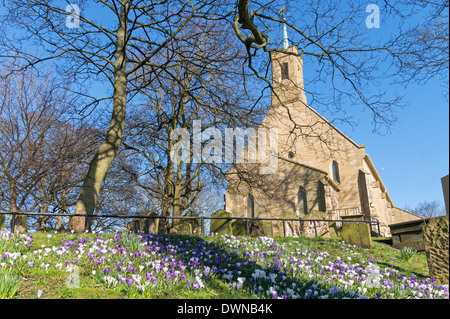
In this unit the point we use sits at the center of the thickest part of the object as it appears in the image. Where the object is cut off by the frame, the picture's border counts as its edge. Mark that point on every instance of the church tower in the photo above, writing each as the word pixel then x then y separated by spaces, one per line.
pixel 287 75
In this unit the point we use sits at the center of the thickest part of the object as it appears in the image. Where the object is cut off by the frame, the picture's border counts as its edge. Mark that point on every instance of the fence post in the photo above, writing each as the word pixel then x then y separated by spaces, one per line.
pixel 12 225
pixel 284 227
pixel 86 223
pixel 378 226
pixel 202 225
pixel 147 227
pixel 246 226
pixel 315 228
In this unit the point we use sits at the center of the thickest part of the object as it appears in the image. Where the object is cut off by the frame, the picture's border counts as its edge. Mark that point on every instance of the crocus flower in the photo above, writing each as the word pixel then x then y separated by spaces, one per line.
pixel 129 281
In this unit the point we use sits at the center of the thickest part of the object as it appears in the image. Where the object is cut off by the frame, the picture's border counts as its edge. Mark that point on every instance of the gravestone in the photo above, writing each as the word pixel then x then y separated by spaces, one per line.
pixel 181 229
pixel 357 234
pixel 267 228
pixel 196 224
pixel 292 226
pixel 318 228
pixel 408 234
pixel 151 224
pixel 221 226
pixel 436 241
pixel 256 228
pixel 134 226
pixel 238 227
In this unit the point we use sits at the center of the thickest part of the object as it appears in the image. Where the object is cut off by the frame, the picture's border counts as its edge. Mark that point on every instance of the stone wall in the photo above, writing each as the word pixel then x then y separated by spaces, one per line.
pixel 436 240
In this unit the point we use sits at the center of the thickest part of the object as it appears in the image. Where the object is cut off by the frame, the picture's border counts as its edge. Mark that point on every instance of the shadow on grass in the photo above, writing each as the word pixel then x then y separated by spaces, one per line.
pixel 194 248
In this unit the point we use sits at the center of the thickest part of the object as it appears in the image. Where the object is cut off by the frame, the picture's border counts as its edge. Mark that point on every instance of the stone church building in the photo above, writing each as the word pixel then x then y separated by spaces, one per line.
pixel 319 167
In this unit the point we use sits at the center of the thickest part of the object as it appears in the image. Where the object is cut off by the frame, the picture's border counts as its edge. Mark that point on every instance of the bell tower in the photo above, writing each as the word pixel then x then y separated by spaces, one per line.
pixel 287 74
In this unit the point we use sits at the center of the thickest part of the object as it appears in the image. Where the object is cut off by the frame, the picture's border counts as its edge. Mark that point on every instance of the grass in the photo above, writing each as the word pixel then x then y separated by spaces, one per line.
pixel 94 266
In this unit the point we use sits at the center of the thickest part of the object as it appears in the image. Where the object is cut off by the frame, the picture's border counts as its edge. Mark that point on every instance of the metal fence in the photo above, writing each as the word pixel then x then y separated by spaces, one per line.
pixel 372 222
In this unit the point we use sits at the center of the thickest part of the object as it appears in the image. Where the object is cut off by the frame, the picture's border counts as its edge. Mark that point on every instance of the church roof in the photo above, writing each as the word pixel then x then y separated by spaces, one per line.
pixel 377 177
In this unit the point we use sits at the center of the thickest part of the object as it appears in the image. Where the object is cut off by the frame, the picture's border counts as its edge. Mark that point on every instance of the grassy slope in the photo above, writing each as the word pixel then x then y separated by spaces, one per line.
pixel 53 281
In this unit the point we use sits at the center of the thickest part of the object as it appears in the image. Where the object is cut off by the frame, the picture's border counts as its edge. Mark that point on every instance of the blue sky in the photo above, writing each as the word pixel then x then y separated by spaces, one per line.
pixel 413 158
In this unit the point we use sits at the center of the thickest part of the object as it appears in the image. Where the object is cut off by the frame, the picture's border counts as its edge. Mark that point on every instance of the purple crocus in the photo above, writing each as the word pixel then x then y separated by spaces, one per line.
pixel 129 281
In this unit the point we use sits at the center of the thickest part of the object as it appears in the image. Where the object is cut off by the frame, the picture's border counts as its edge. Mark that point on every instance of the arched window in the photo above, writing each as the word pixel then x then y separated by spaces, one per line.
pixel 302 203
pixel 285 71
pixel 335 169
pixel 250 206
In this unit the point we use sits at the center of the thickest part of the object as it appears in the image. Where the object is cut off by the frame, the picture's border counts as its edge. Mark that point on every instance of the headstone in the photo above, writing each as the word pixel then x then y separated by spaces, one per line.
pixel 221 226
pixel 238 227
pixel 134 226
pixel 436 240
pixel 195 223
pixel 292 226
pixel 256 228
pixel 408 234
pixel 181 229
pixel 152 224
pixel 357 234
pixel 315 228
pixel 267 228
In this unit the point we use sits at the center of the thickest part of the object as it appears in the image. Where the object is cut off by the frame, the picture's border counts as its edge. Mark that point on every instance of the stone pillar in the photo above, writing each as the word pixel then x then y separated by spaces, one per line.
pixel 436 240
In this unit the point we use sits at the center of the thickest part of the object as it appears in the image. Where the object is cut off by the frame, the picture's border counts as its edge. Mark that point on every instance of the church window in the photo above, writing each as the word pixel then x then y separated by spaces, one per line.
pixel 302 203
pixel 335 169
pixel 285 71
pixel 250 207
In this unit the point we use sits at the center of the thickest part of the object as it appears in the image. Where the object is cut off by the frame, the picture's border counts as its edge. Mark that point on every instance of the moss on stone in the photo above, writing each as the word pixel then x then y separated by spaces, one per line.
pixel 183 229
pixel 195 223
pixel 289 215
pixel 238 227
pixel 436 240
pixel 357 234
pixel 221 226
pixel 267 228
pixel 151 224
pixel 315 214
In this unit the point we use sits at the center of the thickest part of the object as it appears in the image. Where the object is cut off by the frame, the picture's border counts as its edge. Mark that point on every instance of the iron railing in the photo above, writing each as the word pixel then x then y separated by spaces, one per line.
pixel 202 220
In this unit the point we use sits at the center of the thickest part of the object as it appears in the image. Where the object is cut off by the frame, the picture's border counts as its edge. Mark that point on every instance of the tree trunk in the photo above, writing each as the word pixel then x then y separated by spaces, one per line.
pixel 20 222
pixel 58 223
pixel 109 148
pixel 2 222
pixel 167 196
pixel 43 207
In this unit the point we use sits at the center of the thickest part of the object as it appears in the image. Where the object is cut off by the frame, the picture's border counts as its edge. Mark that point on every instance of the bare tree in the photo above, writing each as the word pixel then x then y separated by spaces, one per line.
pixel 423 44
pixel 31 109
pixel 202 82
pixel 130 52
pixel 428 209
pixel 97 50
pixel 66 152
